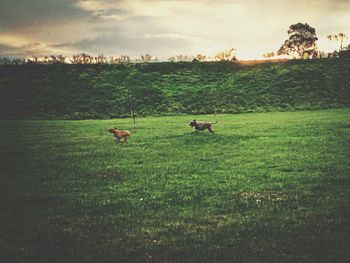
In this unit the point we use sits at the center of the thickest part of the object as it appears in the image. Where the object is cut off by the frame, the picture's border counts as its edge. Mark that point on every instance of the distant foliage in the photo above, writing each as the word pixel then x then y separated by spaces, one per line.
pixel 53 59
pixel 344 53
pixel 58 59
pixel 82 58
pixel 181 58
pixel 226 55
pixel 101 59
pixel 121 59
pixel 269 54
pixel 339 38
pixel 146 59
pixel 301 42
pixel 33 60
pixel 11 61
pixel 199 58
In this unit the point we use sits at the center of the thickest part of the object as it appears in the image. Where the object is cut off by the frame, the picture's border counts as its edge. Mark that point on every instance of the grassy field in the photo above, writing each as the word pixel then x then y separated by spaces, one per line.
pixel 267 187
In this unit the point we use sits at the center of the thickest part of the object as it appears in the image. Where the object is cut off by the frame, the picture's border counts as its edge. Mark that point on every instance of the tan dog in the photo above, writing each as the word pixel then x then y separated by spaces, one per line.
pixel 119 134
pixel 201 125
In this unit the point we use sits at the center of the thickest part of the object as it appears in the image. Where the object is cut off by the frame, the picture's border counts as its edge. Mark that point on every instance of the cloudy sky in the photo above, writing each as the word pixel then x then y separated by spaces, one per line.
pixel 162 27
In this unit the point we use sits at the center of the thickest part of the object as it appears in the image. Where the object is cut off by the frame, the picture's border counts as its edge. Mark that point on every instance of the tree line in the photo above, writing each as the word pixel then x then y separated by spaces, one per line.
pixel 84 58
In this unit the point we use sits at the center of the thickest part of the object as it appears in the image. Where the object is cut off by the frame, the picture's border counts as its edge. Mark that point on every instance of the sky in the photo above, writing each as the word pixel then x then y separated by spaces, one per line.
pixel 163 28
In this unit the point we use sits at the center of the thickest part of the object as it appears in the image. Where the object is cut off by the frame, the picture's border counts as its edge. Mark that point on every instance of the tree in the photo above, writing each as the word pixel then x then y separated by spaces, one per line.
pixel 339 38
pixel 301 42
pixel 101 59
pixel 34 60
pixel 181 58
pixel 146 58
pixel 59 59
pixel 269 55
pixel 199 58
pixel 226 55
pixel 82 58
pixel 124 59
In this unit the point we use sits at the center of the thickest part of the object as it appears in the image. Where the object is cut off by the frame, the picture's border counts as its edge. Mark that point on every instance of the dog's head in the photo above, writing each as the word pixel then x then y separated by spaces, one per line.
pixel 111 130
pixel 193 123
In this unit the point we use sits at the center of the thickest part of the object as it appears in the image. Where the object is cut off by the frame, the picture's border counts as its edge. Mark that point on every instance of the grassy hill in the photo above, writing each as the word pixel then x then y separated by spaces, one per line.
pixel 107 91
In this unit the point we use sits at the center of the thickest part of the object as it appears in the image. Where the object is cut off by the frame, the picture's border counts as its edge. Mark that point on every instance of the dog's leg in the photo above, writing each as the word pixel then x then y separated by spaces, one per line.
pixel 117 140
pixel 210 129
pixel 126 139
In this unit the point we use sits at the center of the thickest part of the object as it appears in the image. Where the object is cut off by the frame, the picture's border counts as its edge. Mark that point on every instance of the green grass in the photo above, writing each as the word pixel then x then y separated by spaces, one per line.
pixel 100 91
pixel 267 187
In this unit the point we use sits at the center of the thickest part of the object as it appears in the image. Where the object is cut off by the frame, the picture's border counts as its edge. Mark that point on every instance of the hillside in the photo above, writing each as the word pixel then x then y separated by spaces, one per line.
pixel 107 91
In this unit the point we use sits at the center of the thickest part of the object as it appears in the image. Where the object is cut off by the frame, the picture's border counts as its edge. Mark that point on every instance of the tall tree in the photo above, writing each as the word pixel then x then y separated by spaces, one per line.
pixel 301 42
pixel 340 37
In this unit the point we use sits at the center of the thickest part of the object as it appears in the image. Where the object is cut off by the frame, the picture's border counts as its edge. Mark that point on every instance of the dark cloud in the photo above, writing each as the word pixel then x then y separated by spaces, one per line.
pixel 31 49
pixel 18 14
pixel 116 44
pixel 23 13
pixel 10 50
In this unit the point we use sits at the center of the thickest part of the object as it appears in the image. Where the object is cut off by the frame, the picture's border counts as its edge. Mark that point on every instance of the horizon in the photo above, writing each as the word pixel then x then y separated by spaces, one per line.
pixel 162 28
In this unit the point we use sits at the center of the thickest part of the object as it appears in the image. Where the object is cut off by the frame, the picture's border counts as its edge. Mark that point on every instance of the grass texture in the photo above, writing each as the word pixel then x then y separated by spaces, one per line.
pixel 266 187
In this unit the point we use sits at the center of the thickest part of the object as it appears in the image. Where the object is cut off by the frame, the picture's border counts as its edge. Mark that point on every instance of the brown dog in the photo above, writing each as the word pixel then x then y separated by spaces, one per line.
pixel 119 134
pixel 200 125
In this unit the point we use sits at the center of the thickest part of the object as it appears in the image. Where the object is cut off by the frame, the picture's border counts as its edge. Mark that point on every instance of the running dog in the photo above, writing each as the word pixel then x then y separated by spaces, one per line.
pixel 119 134
pixel 201 125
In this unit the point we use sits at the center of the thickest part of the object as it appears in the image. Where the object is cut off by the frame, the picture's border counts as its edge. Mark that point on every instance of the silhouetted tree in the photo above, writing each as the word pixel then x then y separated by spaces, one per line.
pixel 45 60
pixel 301 42
pixel 179 58
pixel 57 59
pixel 82 58
pixel 322 54
pixel 339 38
pixel 344 53
pixel 101 59
pixel 269 54
pixel 34 60
pixel 200 57
pixel 116 60
pixel 146 58
pixel 124 59
pixel 226 55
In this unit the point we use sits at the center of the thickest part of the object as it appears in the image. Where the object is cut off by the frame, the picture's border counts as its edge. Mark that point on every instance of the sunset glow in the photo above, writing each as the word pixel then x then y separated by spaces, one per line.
pixel 163 28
